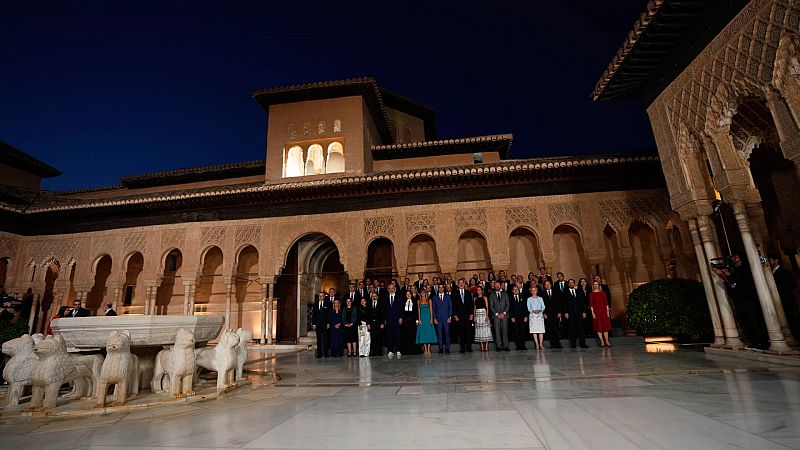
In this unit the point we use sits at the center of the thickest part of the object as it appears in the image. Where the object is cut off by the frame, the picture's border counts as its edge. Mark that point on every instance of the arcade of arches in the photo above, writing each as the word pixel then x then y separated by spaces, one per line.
pixel 261 274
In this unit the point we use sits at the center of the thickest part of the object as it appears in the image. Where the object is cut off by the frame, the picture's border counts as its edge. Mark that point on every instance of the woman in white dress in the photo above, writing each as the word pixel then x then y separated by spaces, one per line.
pixel 483 328
pixel 536 318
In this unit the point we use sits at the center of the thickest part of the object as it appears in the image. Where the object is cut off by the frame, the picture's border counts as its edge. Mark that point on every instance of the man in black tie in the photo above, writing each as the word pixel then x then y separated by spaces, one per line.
pixel 552 314
pixel 574 314
pixel 332 296
pixel 377 325
pixel 353 295
pixel 320 322
pixel 519 318
pixel 109 309
pixel 420 281
pixel 394 320
pixel 77 310
pixel 464 307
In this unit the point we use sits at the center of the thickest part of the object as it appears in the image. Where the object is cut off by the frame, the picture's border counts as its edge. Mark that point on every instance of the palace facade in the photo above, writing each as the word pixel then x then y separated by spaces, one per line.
pixel 721 81
pixel 354 184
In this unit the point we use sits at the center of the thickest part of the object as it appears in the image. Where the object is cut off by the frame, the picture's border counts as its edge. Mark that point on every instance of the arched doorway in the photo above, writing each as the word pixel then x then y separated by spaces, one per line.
pixel 381 263
pixel 211 284
pixel 169 295
pixel 247 293
pixel 646 261
pixel 422 255
pixel 526 256
pixel 133 268
pixel 473 254
pixel 97 295
pixel 570 256
pixel 312 264
pixel 43 311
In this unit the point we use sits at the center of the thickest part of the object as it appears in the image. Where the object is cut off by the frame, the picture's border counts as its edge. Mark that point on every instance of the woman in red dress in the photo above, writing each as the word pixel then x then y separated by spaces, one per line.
pixel 601 314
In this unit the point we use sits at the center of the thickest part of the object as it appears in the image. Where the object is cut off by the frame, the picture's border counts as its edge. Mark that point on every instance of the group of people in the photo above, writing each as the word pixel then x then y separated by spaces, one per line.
pixel 77 311
pixel 409 318
pixel 744 298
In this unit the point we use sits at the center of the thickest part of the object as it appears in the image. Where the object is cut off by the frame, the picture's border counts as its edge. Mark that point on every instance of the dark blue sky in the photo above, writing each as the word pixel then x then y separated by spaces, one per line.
pixel 103 89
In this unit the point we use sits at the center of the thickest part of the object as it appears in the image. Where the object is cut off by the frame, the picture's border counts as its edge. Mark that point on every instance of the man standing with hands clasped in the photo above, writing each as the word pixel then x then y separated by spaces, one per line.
pixel 464 306
pixel 498 303
pixel 574 313
pixel 442 314
pixel 519 318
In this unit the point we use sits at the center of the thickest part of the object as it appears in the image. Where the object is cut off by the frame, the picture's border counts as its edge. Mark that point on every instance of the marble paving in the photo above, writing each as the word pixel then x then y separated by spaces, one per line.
pixel 630 396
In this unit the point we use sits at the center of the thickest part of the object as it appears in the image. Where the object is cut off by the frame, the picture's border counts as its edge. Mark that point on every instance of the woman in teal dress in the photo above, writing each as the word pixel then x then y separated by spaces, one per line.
pixel 426 334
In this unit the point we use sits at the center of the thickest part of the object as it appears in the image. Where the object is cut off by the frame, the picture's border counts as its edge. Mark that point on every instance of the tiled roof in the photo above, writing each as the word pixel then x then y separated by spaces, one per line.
pixel 288 190
pixel 17 158
pixel 194 174
pixel 496 142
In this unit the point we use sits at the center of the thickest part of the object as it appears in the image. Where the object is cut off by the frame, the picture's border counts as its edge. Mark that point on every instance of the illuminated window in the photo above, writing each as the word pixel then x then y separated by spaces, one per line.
pixel 315 161
pixel 293 163
pixel 292 131
pixel 337 126
pixel 321 128
pixel 335 158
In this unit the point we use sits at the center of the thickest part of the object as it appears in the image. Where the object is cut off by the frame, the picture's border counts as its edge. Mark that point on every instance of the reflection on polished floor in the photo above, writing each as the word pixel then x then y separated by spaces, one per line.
pixel 629 396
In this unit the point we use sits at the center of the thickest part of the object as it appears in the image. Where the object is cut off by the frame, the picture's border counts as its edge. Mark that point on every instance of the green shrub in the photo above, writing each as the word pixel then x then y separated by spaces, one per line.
pixel 9 331
pixel 675 307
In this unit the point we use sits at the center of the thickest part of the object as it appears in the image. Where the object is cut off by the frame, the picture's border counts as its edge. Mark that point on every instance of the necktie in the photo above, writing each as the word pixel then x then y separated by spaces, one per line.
pixel 462 296
pixel 374 304
pixel 516 297
pixel 391 299
pixel 441 297
pixel 549 293
pixel 352 295
pixel 573 292
pixel 320 305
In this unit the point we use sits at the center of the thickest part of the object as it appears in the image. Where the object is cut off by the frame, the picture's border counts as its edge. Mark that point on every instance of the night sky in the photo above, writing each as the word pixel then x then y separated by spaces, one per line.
pixel 103 89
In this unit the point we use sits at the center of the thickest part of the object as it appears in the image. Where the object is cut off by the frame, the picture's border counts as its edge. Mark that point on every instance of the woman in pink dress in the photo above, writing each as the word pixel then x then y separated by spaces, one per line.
pixel 601 314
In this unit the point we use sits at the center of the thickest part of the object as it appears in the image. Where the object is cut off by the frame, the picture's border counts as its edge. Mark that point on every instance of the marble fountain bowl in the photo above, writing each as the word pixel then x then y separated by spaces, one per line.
pixel 92 332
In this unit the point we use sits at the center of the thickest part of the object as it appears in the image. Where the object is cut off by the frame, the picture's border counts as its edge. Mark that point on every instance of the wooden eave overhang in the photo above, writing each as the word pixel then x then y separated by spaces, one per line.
pixel 500 143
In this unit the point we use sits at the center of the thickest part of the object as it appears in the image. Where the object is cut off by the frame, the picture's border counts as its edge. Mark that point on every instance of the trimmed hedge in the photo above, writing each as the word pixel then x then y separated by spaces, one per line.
pixel 675 307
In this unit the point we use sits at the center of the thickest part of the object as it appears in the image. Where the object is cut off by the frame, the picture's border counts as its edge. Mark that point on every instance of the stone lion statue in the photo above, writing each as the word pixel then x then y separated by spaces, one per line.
pixel 120 368
pixel 54 368
pixel 19 368
pixel 178 363
pixel 241 350
pixel 220 358
pixel 94 363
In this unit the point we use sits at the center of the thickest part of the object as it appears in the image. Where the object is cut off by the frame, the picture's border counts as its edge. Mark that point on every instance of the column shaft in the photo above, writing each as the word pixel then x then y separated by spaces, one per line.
pixel 708 285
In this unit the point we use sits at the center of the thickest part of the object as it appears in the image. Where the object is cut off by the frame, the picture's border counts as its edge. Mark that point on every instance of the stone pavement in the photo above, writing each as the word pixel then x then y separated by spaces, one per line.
pixel 629 396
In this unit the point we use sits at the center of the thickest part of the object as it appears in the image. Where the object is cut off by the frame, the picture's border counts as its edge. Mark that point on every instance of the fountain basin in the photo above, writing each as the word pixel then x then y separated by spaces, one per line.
pixel 92 332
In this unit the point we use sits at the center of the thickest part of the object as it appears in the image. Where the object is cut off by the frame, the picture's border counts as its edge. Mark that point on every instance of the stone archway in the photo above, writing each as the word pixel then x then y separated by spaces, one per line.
pixel 569 252
pixel 133 267
pixel 170 293
pixel 247 292
pixel 381 261
pixel 97 295
pixel 473 254
pixel 646 261
pixel 525 252
pixel 422 255
pixel 210 283
pixel 42 313
pixel 312 264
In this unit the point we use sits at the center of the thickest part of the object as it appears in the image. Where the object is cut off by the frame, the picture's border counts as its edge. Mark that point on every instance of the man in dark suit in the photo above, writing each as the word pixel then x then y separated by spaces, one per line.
pixel 784 280
pixel 464 310
pixel 77 310
pixel 393 306
pixel 483 283
pixel 332 296
pixel 544 276
pixel 110 310
pixel 552 314
pixel 442 316
pixel 420 281
pixel 519 317
pixel 363 290
pixel 377 325
pixel 353 295
pixel 320 322
pixel 574 314
pixel 499 307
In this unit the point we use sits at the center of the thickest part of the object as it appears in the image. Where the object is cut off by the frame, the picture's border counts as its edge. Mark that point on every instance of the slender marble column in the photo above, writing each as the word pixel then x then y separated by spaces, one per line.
pixel 187 289
pixel 776 340
pixel 228 295
pixel 708 285
pixel 263 313
pixel 117 291
pixel 732 339
pixel 270 309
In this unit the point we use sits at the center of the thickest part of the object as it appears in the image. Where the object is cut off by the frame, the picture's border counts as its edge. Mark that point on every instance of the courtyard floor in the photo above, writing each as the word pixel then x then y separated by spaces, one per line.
pixel 629 396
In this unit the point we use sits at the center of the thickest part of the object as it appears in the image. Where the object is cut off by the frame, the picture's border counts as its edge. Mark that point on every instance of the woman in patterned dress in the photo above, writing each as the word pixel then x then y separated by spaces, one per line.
pixel 536 317
pixel 483 328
